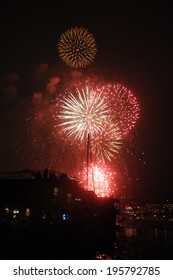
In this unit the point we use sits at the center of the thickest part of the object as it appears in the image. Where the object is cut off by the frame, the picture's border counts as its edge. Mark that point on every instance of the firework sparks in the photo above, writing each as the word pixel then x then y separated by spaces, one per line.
pixel 107 143
pixel 100 179
pixel 83 114
pixel 105 111
pixel 77 47
pixel 123 105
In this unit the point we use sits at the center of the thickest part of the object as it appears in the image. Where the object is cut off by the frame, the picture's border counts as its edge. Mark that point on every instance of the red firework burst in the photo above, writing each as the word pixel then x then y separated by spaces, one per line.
pixel 123 105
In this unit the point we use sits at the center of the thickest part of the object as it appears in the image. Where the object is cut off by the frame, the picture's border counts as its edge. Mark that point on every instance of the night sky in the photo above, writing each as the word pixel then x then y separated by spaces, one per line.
pixel 135 43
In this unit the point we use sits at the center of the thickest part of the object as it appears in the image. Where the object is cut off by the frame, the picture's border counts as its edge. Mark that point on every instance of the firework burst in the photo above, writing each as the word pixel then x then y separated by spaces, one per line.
pixel 82 106
pixel 107 143
pixel 123 105
pixel 83 113
pixel 77 47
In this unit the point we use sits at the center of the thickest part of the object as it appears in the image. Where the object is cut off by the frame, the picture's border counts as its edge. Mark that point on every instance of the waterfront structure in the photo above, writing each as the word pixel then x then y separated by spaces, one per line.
pixel 48 197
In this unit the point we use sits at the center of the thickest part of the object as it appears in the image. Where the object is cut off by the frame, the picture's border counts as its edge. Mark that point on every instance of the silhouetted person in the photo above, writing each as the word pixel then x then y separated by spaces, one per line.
pixel 38 176
pixel 52 177
pixel 45 174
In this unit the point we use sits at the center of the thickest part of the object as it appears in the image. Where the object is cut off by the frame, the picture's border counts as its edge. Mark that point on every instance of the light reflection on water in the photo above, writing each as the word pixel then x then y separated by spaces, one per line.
pixel 130 231
pixel 141 243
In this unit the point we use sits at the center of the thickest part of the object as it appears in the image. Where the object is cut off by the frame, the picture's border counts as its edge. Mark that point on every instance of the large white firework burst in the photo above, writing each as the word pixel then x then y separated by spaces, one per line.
pixel 83 113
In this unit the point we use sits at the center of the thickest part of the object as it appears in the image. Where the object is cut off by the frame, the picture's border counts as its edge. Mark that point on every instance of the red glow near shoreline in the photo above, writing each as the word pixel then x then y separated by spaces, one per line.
pixel 100 179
